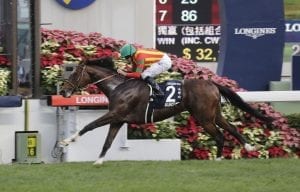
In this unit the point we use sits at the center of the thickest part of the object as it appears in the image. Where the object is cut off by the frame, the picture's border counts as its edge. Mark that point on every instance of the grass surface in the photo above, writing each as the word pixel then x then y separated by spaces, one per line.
pixel 292 8
pixel 154 176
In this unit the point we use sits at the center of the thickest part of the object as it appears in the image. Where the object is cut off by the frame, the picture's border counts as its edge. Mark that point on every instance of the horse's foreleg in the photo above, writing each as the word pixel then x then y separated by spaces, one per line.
pixel 70 139
pixel 113 130
pixel 105 119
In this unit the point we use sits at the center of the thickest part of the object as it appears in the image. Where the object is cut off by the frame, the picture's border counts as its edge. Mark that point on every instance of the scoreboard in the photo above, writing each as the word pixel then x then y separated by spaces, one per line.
pixel 188 28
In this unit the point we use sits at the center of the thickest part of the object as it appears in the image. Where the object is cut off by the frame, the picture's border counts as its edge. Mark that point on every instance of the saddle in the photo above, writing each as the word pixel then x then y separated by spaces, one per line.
pixel 172 95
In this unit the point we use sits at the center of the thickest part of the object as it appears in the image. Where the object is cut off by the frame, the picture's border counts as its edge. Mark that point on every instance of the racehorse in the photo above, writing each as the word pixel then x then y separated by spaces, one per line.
pixel 128 99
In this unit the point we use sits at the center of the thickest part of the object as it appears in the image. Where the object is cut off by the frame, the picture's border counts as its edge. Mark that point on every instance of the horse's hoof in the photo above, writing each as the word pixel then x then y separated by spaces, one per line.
pixel 218 159
pixel 63 143
pixel 249 148
pixel 98 162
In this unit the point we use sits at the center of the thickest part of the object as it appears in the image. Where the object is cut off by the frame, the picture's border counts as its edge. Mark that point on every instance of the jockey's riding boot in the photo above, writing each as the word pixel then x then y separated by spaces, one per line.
pixel 158 92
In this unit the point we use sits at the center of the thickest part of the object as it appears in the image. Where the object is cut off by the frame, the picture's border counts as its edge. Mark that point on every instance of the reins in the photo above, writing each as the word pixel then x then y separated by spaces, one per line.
pixel 103 79
pixel 75 87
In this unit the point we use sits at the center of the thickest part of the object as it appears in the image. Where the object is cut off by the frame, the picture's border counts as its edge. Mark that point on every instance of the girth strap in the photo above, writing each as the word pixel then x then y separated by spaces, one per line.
pixel 149 108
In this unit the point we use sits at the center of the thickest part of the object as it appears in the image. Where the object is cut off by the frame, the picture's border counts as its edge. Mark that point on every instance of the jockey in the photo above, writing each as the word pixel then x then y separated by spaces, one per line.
pixel 146 64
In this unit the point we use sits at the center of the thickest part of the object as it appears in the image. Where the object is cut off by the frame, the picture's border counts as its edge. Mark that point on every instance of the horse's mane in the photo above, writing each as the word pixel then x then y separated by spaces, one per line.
pixel 106 62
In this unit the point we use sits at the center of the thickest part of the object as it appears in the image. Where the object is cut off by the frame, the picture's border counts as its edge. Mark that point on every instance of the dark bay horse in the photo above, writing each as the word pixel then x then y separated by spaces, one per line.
pixel 128 100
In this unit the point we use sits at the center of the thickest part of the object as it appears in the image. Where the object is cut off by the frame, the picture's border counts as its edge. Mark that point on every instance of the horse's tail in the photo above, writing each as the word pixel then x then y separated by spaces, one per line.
pixel 237 101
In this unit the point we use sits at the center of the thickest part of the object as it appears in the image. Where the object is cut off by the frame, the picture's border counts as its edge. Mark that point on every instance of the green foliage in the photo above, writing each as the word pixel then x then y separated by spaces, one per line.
pixel 186 150
pixel 47 47
pixel 294 120
pixel 51 77
pixel 231 113
pixel 161 130
pixel 182 118
pixel 165 129
pixel 291 8
pixel 168 75
pixel 4 80
pixel 139 132
pixel 274 175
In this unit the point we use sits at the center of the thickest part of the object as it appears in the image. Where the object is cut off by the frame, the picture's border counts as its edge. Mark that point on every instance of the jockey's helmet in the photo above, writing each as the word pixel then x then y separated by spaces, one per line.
pixel 127 50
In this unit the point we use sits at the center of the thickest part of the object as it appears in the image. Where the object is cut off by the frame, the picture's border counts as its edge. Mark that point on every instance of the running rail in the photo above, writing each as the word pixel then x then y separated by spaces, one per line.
pixel 269 96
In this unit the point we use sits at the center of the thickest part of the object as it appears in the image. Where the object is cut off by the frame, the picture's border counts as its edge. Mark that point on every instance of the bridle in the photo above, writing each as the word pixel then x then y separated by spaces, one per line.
pixel 75 86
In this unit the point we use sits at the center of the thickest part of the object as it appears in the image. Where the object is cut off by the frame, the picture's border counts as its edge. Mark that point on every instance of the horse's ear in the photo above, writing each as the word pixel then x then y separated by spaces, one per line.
pixel 92 61
pixel 106 62
pixel 108 59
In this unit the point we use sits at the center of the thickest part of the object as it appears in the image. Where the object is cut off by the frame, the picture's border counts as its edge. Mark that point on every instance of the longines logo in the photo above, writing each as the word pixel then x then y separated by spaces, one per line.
pixel 75 4
pixel 292 27
pixel 254 32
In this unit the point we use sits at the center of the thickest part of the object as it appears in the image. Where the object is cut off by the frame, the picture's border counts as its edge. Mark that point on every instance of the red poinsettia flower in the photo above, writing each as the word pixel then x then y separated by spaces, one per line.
pixel 150 127
pixel 92 89
pixel 100 53
pixel 230 138
pixel 190 131
pixel 249 154
pixel 50 60
pixel 227 152
pixel 201 153
pixel 71 49
pixel 3 60
pixel 277 152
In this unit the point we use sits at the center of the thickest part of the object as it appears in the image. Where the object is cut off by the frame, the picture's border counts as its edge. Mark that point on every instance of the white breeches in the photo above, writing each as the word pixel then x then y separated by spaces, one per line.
pixel 155 69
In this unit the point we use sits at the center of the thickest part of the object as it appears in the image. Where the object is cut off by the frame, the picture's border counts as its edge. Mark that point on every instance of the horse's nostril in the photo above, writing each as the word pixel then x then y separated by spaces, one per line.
pixel 65 93
pixel 62 92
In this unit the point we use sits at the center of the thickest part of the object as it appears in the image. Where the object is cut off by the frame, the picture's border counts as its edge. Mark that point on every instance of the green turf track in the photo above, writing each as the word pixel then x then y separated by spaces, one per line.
pixel 154 176
pixel 292 8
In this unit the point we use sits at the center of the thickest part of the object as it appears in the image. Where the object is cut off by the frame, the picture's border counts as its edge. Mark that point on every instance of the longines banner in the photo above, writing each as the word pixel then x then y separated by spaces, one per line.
pixel 292 31
pixel 252 42
pixel 295 72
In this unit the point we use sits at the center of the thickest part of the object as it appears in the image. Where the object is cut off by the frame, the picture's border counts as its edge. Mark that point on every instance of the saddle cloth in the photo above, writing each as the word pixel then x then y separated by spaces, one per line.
pixel 172 95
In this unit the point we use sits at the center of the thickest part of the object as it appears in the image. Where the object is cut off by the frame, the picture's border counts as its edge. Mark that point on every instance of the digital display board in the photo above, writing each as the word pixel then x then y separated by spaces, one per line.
pixel 188 28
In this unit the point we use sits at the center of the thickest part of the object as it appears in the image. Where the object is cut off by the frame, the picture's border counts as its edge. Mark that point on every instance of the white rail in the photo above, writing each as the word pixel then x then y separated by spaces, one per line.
pixel 270 96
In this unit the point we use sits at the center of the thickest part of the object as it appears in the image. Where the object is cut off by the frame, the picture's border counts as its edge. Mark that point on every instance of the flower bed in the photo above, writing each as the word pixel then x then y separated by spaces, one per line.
pixel 4 75
pixel 63 47
pixel 280 140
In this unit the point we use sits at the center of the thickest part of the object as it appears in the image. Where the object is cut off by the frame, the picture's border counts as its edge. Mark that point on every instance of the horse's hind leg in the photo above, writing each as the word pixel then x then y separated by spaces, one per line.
pixel 208 124
pixel 105 119
pixel 112 132
pixel 203 108
pixel 223 123
pixel 218 136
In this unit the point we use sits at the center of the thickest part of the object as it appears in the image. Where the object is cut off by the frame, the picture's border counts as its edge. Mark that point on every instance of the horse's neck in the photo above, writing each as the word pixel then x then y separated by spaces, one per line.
pixel 108 87
pixel 108 82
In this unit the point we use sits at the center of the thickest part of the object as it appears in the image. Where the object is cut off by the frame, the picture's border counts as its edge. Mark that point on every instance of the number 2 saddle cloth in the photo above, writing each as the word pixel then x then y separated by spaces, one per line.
pixel 172 95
